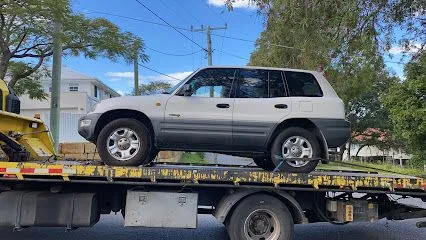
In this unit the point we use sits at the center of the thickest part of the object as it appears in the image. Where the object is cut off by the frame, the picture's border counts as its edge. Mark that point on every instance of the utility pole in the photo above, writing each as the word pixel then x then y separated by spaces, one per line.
pixel 136 73
pixel 56 84
pixel 209 30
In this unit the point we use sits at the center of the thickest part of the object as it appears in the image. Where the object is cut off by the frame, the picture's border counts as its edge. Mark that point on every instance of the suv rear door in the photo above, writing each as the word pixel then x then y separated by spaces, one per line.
pixel 202 120
pixel 305 93
pixel 261 102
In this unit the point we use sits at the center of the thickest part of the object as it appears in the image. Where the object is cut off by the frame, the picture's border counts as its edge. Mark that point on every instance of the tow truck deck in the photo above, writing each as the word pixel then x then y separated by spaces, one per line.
pixel 208 175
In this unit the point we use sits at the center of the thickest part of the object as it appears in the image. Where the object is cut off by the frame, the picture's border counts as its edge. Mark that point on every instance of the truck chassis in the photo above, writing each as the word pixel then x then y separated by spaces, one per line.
pixel 251 202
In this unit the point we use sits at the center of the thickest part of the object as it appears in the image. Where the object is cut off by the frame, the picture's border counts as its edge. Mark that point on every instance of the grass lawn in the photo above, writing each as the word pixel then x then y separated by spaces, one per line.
pixel 194 158
pixel 373 167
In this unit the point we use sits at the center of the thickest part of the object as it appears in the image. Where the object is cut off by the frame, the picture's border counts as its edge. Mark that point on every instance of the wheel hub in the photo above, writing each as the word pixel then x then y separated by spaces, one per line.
pixel 259 225
pixel 123 143
pixel 297 147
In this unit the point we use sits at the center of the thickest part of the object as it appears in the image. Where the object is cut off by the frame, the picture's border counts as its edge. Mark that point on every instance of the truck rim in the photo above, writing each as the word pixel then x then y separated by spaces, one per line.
pixel 123 144
pixel 262 224
pixel 297 147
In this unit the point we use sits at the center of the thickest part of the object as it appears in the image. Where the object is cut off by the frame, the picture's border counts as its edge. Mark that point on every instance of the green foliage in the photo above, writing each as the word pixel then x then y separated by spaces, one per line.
pixel 26 36
pixel 193 158
pixel 406 102
pixel 153 87
pixel 30 85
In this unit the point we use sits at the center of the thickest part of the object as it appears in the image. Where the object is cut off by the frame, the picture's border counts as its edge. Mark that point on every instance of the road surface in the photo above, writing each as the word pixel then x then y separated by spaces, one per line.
pixel 111 228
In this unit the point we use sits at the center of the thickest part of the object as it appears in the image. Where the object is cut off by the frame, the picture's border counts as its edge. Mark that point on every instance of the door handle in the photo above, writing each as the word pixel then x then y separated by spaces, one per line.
pixel 282 106
pixel 174 115
pixel 222 105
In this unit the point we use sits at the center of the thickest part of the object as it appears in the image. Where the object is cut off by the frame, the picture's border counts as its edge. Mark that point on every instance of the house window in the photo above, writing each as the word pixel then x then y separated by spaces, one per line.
pixel 73 87
pixel 96 91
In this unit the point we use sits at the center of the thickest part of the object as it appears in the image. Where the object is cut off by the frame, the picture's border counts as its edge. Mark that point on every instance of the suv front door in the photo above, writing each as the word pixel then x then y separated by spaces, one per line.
pixel 202 119
pixel 261 102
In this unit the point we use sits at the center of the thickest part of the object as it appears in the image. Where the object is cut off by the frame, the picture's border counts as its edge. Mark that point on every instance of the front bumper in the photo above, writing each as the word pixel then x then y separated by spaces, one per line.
pixel 87 125
pixel 336 131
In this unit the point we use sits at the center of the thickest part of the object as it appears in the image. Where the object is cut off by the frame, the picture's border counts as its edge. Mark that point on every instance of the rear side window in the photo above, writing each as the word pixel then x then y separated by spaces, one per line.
pixel 301 84
pixel 253 83
pixel 276 84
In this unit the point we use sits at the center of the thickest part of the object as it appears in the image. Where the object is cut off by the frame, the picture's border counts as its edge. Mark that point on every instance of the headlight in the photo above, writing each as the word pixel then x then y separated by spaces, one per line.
pixel 85 122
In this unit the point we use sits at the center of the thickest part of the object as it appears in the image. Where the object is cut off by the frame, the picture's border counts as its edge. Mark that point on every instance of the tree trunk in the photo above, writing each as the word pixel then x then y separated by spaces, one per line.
pixel 4 62
pixel 342 151
pixel 359 149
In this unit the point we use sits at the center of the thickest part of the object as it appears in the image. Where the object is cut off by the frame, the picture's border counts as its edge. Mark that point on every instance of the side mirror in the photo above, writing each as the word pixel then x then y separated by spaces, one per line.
pixel 186 90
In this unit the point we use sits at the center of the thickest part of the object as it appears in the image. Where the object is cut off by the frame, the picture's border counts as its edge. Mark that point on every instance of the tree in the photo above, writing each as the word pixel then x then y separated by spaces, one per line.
pixel 26 38
pixel 153 87
pixel 406 102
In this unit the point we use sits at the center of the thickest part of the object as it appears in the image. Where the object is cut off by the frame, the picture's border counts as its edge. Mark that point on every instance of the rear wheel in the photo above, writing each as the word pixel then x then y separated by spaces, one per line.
pixel 295 142
pixel 260 217
pixel 124 142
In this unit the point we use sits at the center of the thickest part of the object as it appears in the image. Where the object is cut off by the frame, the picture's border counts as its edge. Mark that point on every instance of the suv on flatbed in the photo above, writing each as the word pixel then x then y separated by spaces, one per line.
pixel 268 114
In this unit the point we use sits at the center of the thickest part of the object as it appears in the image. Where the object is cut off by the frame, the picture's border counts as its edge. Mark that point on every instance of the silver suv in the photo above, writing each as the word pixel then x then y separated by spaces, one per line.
pixel 279 117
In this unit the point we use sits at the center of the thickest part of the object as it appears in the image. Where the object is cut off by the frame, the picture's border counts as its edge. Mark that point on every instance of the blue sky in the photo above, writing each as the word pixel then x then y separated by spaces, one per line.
pixel 243 22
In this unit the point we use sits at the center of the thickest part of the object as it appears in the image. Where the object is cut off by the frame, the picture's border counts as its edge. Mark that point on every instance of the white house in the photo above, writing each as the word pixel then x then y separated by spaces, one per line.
pixel 79 93
pixel 396 156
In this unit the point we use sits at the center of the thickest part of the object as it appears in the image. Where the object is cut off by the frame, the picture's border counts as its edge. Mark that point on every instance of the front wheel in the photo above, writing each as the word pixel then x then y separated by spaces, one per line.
pixel 124 142
pixel 260 216
pixel 294 143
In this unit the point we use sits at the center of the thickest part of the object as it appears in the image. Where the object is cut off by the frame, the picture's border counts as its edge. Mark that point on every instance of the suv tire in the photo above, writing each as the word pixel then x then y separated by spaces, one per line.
pixel 124 142
pixel 294 142
pixel 264 162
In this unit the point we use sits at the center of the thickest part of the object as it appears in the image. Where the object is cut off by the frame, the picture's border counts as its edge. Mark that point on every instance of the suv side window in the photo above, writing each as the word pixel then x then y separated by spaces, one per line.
pixel 301 84
pixel 213 82
pixel 253 83
pixel 276 84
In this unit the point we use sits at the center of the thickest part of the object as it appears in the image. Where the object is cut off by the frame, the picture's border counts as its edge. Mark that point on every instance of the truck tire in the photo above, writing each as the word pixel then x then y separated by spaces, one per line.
pixel 295 142
pixel 124 142
pixel 260 216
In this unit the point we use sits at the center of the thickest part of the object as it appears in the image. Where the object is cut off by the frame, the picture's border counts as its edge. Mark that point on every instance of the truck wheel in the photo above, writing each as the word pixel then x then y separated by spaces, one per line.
pixel 260 216
pixel 264 162
pixel 295 142
pixel 124 142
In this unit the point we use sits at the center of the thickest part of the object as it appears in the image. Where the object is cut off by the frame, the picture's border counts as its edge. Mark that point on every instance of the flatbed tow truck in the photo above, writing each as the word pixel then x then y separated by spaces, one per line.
pixel 38 191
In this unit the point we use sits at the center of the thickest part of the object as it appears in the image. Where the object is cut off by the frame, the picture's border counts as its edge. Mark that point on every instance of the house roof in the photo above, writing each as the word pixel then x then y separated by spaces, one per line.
pixel 71 74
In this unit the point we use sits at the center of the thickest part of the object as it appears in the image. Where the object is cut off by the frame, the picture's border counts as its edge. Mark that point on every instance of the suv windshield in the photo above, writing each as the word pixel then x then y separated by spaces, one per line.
pixel 172 89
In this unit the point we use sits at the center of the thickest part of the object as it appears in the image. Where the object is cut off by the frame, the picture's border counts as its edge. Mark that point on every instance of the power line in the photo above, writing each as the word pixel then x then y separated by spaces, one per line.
pixel 174 12
pixel 186 10
pixel 135 19
pixel 231 54
pixel 185 29
pixel 246 40
pixel 159 72
pixel 143 5
pixel 217 15
pixel 173 54
pixel 223 40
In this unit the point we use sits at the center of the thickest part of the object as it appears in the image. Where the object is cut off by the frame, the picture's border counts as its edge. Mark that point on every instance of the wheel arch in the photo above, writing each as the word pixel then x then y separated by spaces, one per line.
pixel 228 203
pixel 303 123
pixel 112 115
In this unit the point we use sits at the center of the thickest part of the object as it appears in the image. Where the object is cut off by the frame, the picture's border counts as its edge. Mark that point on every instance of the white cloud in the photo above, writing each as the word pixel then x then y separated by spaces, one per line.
pixel 412 48
pixel 128 77
pixel 237 4
pixel 121 92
